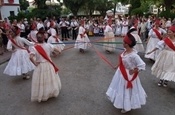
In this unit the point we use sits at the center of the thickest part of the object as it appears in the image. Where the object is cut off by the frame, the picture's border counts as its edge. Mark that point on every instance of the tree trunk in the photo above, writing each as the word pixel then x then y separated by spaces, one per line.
pixel 115 5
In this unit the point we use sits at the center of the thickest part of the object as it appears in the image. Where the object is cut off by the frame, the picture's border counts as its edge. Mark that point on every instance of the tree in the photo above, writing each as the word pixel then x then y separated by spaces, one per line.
pixel 74 5
pixel 41 4
pixel 103 6
pixel 90 6
pixel 134 4
pixel 115 2
pixel 24 4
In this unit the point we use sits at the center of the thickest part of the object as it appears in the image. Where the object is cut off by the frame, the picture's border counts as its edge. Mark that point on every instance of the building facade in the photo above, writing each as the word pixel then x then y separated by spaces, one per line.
pixel 9 8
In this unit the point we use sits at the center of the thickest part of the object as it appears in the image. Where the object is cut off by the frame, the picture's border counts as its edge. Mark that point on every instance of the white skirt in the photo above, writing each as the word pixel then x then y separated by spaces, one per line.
pixel 19 63
pixel 60 46
pixel 82 43
pixel 45 83
pixel 118 31
pixel 150 46
pixel 123 98
pixel 109 37
pixel 164 66
pixel 139 46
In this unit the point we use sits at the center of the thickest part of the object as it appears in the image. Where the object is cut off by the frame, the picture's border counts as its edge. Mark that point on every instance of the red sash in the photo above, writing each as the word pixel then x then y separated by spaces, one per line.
pixel 45 56
pixel 14 42
pixel 158 34
pixel 124 73
pixel 169 43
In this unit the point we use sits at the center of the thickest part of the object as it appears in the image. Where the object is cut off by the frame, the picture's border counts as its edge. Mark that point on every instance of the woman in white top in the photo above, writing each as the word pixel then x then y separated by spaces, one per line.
pixel 155 35
pixel 55 39
pixel 45 80
pixel 82 42
pixel 19 63
pixel 109 38
pixel 125 90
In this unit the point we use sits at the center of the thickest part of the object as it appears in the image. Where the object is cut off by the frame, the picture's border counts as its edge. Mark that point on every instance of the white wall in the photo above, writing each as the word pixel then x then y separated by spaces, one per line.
pixel 5 10
pixel 15 1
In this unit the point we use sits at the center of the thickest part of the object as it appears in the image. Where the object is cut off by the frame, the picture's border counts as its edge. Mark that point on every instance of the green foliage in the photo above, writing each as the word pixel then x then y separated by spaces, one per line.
pixel 40 4
pixel 39 13
pixel 24 4
pixel 65 11
pixel 167 14
pixel 74 5
pixel 137 11
pixel 103 6
pixel 134 5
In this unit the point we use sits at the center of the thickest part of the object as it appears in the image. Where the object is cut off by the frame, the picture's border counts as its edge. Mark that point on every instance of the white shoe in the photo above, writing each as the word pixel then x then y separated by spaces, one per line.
pixel 26 77
pixel 123 111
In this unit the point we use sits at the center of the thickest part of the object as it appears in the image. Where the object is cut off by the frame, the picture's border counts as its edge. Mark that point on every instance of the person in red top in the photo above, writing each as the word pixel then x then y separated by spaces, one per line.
pixel 125 90
pixel 164 66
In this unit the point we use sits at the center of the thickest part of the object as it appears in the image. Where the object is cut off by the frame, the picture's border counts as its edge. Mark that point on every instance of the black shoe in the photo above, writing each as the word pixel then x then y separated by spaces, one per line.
pixel 160 83
pixel 165 83
pixel 81 50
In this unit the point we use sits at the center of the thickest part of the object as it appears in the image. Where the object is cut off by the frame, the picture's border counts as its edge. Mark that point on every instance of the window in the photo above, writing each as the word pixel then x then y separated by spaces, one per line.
pixel 12 13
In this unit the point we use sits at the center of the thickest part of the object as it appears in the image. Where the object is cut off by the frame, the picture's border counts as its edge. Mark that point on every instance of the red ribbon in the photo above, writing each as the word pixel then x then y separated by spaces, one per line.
pixel 14 42
pixel 158 34
pixel 169 43
pixel 125 75
pixel 45 56
pixel 103 58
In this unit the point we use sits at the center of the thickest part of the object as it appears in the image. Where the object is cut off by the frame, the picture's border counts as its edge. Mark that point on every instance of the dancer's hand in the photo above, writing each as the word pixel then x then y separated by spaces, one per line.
pixel 37 63
pixel 133 71
pixel 115 67
pixel 148 53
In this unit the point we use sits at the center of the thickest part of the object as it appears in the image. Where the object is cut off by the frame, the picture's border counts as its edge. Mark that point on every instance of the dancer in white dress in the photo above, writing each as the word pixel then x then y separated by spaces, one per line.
pixel 19 63
pixel 155 35
pixel 125 90
pixel 124 27
pixel 118 29
pixel 33 32
pixel 109 37
pixel 139 46
pixel 45 80
pixel 55 39
pixel 82 42
pixel 164 66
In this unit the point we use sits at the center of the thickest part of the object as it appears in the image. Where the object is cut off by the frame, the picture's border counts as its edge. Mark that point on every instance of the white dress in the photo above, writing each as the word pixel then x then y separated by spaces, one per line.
pixel 164 66
pixel 153 40
pixel 19 62
pixel 119 94
pixel 124 28
pixel 51 40
pixel 118 29
pixel 109 37
pixel 32 36
pixel 45 82
pixel 83 42
pixel 139 46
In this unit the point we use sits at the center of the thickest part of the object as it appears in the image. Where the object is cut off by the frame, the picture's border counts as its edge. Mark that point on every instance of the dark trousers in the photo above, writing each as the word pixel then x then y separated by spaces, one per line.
pixel 64 33
pixel 74 33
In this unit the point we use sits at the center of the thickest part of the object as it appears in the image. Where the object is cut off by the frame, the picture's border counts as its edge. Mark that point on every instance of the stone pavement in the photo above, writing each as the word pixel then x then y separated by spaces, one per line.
pixel 5 57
